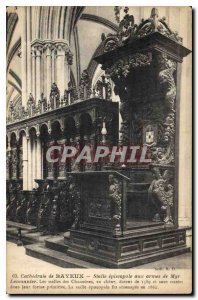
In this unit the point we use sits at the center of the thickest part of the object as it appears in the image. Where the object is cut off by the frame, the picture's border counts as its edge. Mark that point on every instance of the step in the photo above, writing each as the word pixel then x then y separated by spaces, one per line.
pixel 27 237
pixel 133 262
pixel 57 258
pixel 57 244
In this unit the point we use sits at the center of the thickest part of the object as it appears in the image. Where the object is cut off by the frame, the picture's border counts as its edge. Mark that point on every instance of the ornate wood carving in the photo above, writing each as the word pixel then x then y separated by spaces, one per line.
pixel 54 216
pixel 42 104
pixel 119 73
pixel 115 195
pixel 129 31
pixel 121 68
pixel 103 88
pixel 21 208
pixel 74 199
pixel 70 95
pixel 161 194
pixel 85 86
pixel 11 207
pixel 31 106
pixel 164 153
pixel 44 209
pixel 32 208
pixel 54 96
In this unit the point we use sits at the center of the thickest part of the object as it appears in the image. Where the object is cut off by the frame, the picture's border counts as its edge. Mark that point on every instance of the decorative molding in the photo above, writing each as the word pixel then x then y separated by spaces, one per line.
pixel 123 66
pixel 129 31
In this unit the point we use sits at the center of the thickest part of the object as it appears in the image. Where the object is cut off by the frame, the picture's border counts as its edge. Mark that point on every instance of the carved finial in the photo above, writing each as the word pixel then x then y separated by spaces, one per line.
pixel 126 9
pixel 103 36
pixel 154 12
pixel 117 13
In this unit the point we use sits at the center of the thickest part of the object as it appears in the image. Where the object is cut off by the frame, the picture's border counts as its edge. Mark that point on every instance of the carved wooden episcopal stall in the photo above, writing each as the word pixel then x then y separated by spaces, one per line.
pixel 128 217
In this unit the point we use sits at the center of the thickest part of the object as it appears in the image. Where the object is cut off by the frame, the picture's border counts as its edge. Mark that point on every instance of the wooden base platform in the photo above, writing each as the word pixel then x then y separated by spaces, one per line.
pixel 78 249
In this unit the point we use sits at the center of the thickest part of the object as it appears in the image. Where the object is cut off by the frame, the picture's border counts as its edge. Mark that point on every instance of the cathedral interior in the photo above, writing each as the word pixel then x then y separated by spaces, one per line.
pixel 92 76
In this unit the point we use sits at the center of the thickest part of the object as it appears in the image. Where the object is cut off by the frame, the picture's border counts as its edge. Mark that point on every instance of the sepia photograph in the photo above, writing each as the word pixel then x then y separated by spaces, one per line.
pixel 99 149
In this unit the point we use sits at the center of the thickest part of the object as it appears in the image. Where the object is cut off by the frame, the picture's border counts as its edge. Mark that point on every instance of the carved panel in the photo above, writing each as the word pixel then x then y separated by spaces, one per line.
pixel 97 204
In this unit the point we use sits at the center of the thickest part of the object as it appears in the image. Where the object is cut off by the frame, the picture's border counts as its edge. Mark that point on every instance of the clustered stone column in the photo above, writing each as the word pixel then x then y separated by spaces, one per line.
pixel 33 53
pixel 50 63
pixel 38 49
pixel 25 140
pixel 48 48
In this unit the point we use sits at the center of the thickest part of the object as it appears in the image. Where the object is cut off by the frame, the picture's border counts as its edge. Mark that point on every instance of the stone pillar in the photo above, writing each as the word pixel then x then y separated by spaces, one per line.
pixel 25 140
pixel 29 155
pixel 23 21
pixel 34 162
pixel 38 158
pixel 38 49
pixel 8 153
pixel 29 62
pixel 53 64
pixel 48 52
pixel 61 76
pixel 33 72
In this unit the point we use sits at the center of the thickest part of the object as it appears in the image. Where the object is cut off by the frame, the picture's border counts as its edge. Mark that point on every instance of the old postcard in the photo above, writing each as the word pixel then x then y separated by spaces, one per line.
pixel 98 150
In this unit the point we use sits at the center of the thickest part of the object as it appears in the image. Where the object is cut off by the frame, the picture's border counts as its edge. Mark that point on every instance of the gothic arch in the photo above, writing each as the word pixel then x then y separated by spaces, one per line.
pixel 99 20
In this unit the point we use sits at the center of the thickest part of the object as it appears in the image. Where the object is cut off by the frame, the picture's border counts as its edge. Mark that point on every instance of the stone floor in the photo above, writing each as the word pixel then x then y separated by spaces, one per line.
pixel 17 259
